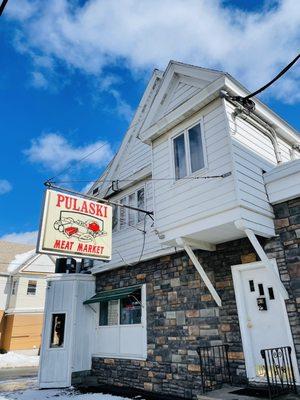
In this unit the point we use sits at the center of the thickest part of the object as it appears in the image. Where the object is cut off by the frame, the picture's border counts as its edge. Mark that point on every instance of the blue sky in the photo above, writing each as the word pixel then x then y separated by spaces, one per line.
pixel 72 74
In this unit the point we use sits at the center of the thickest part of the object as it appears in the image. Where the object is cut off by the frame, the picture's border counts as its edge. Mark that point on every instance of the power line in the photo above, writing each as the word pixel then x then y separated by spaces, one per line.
pixel 2 6
pixel 246 100
pixel 77 162
pixel 225 175
pixel 279 75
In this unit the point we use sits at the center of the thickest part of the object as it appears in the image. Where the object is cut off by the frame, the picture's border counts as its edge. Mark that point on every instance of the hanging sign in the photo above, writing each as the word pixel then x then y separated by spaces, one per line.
pixel 74 226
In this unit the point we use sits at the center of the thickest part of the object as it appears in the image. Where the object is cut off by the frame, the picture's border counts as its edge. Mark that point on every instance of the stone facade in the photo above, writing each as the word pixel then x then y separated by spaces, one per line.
pixel 286 249
pixel 182 315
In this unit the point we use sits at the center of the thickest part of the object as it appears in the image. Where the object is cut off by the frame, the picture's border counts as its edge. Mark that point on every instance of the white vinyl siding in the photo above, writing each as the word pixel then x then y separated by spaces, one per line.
pixel 253 153
pixel 188 200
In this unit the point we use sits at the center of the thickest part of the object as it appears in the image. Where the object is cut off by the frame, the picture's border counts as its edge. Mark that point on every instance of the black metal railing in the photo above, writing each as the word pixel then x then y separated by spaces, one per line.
pixel 279 371
pixel 214 366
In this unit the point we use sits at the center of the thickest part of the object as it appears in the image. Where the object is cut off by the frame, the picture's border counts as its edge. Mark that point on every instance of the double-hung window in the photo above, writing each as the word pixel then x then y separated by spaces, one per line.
pixel 188 151
pixel 123 216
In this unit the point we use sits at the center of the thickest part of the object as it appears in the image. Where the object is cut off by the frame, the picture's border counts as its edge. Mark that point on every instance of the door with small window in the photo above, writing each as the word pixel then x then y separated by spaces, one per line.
pixel 56 351
pixel 262 315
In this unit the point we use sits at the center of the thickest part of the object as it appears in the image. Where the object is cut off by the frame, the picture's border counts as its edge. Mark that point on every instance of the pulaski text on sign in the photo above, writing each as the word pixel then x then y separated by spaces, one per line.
pixel 74 226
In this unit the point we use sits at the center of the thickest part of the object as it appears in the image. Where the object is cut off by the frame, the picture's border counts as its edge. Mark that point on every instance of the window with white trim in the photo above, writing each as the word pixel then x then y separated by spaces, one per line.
pixel 188 152
pixel 124 217
pixel 124 311
pixel 31 288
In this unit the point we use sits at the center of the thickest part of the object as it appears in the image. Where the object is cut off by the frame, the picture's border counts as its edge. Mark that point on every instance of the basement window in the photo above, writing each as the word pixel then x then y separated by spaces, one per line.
pixel 31 288
pixel 188 151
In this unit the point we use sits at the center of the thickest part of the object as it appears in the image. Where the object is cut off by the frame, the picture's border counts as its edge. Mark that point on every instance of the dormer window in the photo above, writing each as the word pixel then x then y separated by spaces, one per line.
pixel 188 152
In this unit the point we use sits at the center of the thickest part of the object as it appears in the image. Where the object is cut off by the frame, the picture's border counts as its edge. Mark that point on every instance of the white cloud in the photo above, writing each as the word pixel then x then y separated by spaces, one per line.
pixel 21 9
pixel 252 46
pixel 38 80
pixel 21 237
pixel 108 85
pixel 5 186
pixel 55 153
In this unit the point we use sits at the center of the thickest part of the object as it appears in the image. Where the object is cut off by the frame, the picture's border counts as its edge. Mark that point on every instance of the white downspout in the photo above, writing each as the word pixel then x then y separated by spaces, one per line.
pixel 199 268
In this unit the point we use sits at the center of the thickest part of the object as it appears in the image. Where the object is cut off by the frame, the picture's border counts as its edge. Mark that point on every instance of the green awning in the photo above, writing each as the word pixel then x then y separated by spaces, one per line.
pixel 112 295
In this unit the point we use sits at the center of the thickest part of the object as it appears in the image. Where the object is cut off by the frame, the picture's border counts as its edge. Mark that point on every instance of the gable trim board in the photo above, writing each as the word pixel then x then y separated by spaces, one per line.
pixel 207 94
pixel 133 132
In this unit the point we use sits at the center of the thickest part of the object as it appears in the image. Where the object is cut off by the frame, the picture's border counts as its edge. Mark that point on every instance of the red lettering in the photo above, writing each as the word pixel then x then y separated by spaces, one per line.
pixel 92 208
pixel 60 199
pixel 57 244
pixel 84 207
pixel 74 207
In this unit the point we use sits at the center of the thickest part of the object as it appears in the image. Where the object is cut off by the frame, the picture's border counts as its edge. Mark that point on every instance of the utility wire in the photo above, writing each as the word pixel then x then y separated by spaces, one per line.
pixel 225 175
pixel 2 6
pixel 282 72
pixel 77 162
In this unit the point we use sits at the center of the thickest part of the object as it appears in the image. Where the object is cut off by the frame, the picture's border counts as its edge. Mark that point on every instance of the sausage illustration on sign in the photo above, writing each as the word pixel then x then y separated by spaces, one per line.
pixel 80 226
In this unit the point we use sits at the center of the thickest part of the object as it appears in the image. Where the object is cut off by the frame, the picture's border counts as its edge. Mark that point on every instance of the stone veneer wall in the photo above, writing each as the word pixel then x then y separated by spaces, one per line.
pixel 286 249
pixel 181 315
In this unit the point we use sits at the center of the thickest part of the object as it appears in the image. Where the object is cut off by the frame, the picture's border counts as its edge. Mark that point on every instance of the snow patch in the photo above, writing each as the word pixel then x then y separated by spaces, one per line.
pixel 19 260
pixel 57 394
pixel 14 360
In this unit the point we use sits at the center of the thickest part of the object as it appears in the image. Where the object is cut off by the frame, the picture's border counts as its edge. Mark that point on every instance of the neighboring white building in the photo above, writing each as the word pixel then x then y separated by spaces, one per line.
pixel 22 296
pixel 197 270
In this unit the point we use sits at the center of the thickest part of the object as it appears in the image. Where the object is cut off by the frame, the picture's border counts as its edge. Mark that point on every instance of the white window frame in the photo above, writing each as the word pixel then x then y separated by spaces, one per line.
pixel 63 347
pixel 119 327
pixel 118 227
pixel 119 314
pixel 184 132
pixel 36 286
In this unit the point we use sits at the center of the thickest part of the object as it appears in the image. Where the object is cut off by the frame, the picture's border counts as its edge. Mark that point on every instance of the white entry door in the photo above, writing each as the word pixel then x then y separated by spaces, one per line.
pixel 262 316
pixel 56 350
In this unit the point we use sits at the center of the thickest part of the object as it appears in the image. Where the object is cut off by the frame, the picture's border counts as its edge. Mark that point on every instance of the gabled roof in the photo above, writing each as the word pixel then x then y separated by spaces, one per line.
pixel 17 257
pixel 128 142
pixel 172 95
pixel 186 89
pixel 180 82
pixel 9 251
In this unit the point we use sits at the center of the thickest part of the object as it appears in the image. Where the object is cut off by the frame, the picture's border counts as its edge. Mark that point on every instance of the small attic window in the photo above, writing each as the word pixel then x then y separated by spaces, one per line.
pixel 96 190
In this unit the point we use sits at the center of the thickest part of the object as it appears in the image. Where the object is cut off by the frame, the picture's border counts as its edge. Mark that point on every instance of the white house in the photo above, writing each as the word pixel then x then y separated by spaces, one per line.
pixel 22 296
pixel 213 265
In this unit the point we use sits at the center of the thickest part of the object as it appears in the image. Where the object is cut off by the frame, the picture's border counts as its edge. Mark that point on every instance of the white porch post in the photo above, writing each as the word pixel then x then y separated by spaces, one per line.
pixel 201 271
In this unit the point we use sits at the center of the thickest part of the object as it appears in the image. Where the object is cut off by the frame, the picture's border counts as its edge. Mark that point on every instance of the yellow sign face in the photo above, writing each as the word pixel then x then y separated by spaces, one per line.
pixel 76 227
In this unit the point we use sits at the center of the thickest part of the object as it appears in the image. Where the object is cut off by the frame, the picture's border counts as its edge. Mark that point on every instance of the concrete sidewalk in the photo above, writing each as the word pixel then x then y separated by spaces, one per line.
pixel 225 394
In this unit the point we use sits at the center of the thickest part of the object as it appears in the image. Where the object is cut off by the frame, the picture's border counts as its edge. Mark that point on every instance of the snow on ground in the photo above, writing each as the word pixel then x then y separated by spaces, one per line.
pixel 14 360
pixel 19 260
pixel 56 394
